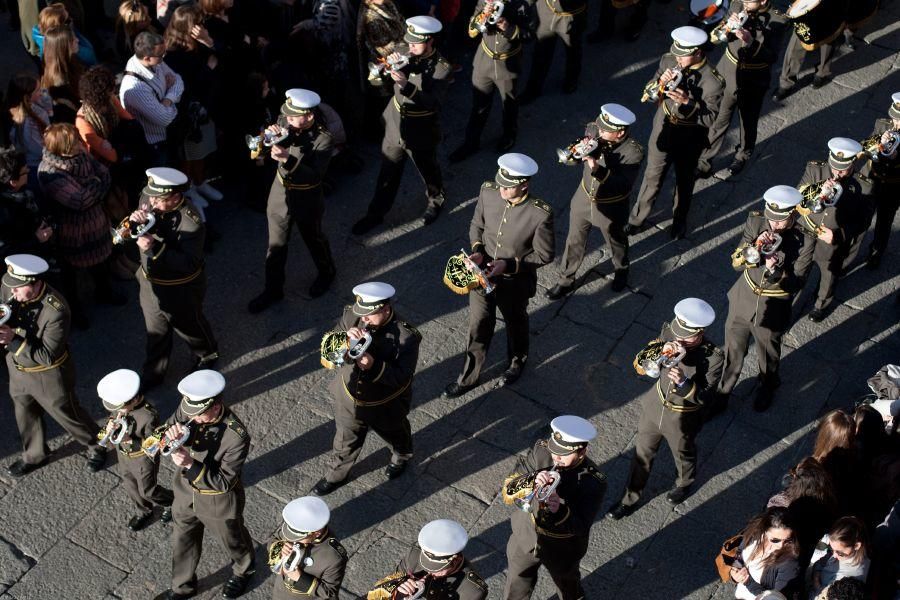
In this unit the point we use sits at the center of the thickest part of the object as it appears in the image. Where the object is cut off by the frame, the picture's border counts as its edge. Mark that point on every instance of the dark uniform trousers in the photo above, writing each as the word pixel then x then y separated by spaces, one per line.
pixel 606 23
pixel 296 197
pixel 678 138
pixel 760 304
pixel 377 399
pixel 138 471
pixel 794 56
pixel 748 73
pixel 601 200
pixel 528 245
pixel 412 129
pixel 886 175
pixel 172 284
pixel 565 20
pixel 558 541
pixel 42 374
pixel 496 66
pixel 674 415
pixel 849 221
pixel 210 495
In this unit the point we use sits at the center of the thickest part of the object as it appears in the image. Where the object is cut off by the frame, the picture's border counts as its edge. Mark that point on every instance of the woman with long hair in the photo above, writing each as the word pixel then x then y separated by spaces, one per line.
pixel 835 449
pixel 76 184
pixel 844 553
pixel 61 71
pixel 768 557
pixel 132 18
pixel 27 112
pixel 55 16
pixel 189 53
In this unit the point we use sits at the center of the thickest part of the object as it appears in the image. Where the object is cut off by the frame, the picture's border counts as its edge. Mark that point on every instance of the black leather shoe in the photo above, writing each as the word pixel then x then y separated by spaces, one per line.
pixel 819 82
pixel 731 170
pixel 630 229
pixel 676 232
pixel 20 468
pixel 678 495
pixel 138 522
pixel 264 301
pixel 430 215
pixel 558 291
pixel 321 284
pixel 236 586
pixel 505 143
pixel 463 152
pixel 166 515
pixel 455 390
pixel 365 225
pixel 96 460
pixel 170 595
pixel 781 93
pixel 510 375
pixel 325 487
pixel 816 315
pixel 873 261
pixel 395 470
pixel 620 511
pixel 205 362
pixel 620 280
pixel 763 399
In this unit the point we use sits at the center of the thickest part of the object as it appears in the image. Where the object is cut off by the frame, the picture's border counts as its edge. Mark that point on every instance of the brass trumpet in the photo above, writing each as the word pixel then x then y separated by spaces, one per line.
pixel 385 66
pixel 730 25
pixel 291 562
pixel 489 15
pixel 266 139
pixel 655 91
pixel 523 491
pixel 876 149
pixel 130 230
pixel 6 313
pixel 760 250
pixel 577 151
pixel 387 588
pixel 158 444
pixel 462 275
pixel 819 196
pixel 116 436
pixel 337 348
pixel 658 355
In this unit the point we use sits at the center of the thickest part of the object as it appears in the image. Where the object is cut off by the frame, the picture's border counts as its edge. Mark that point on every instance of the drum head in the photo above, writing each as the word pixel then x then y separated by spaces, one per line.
pixel 801 7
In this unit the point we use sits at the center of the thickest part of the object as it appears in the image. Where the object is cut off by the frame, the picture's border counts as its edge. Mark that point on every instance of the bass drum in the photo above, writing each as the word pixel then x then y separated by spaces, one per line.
pixel 817 22
pixel 858 12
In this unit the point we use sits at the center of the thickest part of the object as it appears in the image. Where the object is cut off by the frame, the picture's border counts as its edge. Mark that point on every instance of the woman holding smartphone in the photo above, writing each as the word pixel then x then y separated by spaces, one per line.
pixel 768 557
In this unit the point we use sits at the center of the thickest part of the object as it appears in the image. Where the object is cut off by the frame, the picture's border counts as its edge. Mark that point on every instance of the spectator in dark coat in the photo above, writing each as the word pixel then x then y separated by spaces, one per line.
pixel 23 229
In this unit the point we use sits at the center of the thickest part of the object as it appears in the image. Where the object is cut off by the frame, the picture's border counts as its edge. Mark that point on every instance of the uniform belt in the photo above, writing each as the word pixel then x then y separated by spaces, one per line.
pixel 561 13
pixel 745 65
pixel 297 186
pixel 499 55
pixel 41 368
pixel 359 402
pixel 678 408
pixel 610 200
pixel 411 113
pixel 180 281
pixel 776 293
pixel 234 482
pixel 136 454
pixel 673 119
pixel 541 531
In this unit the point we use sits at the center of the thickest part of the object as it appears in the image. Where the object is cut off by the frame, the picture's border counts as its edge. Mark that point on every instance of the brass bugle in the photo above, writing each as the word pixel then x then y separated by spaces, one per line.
pixel 130 230
pixel 656 90
pixel 116 435
pixel 5 313
pixel 876 149
pixel 489 15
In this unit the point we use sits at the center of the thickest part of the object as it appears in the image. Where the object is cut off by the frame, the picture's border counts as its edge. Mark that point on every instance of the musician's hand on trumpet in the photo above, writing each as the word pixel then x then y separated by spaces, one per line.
pixel 6 334
pixel 397 75
pixel 676 376
pixel 553 502
pixel 678 95
pixel 365 361
pixel 477 258
pixel 502 24
pixel 180 456
pixel 591 162
pixel 294 575
pixel 409 587
pixel 496 268
pixel 826 234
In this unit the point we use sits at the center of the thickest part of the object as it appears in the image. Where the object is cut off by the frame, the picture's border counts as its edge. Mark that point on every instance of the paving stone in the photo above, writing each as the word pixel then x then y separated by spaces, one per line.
pixel 377 560
pixel 506 420
pixel 63 568
pixel 13 565
pixel 472 466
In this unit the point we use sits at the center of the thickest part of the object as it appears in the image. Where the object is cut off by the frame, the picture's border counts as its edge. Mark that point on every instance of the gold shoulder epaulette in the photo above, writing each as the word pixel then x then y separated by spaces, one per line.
pixel 411 329
pixel 596 473
pixel 542 443
pixel 817 163
pixel 475 578
pixel 55 302
pixel 236 426
pixel 192 214
pixel 755 213
pixel 542 205
pixel 863 178
pixel 337 547
pixel 491 185
pixel 717 74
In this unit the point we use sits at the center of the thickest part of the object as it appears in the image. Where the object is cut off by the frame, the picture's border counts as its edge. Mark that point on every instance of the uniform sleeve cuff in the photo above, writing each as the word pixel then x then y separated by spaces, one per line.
pixel 195 471
pixel 476 246
pixel 15 345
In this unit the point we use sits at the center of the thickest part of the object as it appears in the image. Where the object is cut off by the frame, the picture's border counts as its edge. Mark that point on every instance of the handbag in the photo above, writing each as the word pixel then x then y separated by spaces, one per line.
pixel 727 555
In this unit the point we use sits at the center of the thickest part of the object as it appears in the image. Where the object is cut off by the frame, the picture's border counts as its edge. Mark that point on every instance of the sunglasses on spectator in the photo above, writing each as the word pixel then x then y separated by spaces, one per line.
pixel 779 540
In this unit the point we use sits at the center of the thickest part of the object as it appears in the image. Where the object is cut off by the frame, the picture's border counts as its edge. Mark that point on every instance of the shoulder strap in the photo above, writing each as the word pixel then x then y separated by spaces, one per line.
pixel 140 77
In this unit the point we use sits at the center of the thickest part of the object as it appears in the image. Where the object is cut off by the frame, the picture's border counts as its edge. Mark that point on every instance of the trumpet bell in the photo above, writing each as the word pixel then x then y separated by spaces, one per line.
pixel 751 255
pixel 566 157
pixel 651 368
pixel 5 313
pixel 129 230
pixel 173 445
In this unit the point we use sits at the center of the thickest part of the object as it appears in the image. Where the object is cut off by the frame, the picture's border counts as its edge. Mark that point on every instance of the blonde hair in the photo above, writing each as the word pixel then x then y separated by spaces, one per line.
pixel 53 16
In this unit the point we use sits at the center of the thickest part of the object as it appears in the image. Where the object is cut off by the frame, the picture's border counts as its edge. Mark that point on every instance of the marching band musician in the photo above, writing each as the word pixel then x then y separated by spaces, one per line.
pixel 680 126
pixel 673 407
pixel 795 54
pixel 296 196
pixel 41 372
pixel 554 533
pixel 512 237
pixel 119 392
pixel 207 486
pixel 412 125
pixel 435 566
pixel 172 278
pixel 837 231
pixel 564 20
pixel 886 174
pixel 602 198
pixel 374 391
pixel 497 63
pixel 759 302
pixel 746 65
pixel 320 569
